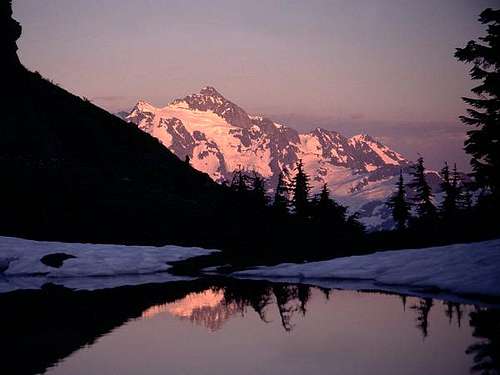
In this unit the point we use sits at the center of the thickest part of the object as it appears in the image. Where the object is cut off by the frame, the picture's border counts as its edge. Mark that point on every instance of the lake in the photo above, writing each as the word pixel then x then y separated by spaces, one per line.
pixel 243 327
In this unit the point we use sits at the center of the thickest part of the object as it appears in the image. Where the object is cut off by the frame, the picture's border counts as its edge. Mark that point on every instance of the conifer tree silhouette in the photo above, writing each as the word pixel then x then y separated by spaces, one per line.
pixel 280 203
pixel 301 188
pixel 423 192
pixel 483 141
pixel 399 205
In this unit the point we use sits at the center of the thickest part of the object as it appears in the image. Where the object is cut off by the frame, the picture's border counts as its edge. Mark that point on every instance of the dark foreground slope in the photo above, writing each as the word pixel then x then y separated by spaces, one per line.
pixel 71 171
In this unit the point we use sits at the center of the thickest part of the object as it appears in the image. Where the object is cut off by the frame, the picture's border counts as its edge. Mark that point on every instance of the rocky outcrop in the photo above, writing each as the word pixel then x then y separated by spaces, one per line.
pixel 10 31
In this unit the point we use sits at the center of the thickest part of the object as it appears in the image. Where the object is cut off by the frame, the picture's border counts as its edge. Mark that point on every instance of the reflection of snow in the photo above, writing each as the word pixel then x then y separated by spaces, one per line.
pixel 206 308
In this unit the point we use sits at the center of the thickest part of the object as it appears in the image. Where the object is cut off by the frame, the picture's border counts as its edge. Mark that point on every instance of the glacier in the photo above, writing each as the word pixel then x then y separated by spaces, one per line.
pixel 220 137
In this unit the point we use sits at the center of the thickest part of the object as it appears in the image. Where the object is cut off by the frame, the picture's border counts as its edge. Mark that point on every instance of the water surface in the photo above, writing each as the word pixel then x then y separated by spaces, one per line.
pixel 252 327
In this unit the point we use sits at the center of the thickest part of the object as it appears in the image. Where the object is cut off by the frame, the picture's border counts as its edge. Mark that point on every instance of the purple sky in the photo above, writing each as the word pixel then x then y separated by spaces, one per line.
pixel 385 67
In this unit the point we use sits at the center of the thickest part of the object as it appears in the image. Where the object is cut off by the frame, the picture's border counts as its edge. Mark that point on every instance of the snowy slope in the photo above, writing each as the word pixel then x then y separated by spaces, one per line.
pixel 93 266
pixel 219 137
pixel 463 269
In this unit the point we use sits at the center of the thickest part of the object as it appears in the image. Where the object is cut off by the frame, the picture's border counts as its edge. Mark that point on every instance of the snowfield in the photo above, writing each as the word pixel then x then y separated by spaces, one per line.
pixel 471 269
pixel 93 266
pixel 461 272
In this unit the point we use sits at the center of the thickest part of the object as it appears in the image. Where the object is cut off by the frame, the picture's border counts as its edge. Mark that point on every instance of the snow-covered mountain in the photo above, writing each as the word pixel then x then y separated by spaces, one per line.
pixel 220 137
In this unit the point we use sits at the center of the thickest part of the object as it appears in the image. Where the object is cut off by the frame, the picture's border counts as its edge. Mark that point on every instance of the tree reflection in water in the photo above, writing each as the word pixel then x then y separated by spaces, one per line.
pixel 486 352
pixel 289 299
pixel 453 309
pixel 66 320
pixel 423 308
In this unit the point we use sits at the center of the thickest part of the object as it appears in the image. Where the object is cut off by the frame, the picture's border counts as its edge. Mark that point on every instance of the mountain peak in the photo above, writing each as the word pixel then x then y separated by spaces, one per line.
pixel 357 169
pixel 210 91
pixel 143 106
pixel 209 99
pixel 320 130
pixel 364 138
pixel 361 137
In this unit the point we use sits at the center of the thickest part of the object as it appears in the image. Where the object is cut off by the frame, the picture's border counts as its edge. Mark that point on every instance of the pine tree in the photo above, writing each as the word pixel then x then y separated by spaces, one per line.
pixel 456 186
pixel 483 142
pixel 259 191
pixel 239 182
pixel 466 201
pixel 301 188
pixel 449 185
pixel 327 210
pixel 354 224
pixel 280 203
pixel 423 192
pixel 445 174
pixel 324 203
pixel 455 180
pixel 399 205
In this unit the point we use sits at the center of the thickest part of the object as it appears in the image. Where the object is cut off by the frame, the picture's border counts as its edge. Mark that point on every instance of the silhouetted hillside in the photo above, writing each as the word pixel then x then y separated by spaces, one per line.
pixel 72 171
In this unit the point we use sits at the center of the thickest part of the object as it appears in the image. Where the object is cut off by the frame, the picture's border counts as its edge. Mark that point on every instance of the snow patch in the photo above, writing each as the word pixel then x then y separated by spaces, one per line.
pixel 94 266
pixel 461 269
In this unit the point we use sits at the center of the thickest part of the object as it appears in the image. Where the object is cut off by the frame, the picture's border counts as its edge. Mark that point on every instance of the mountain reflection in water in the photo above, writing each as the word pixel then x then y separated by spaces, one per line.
pixel 207 308
pixel 274 324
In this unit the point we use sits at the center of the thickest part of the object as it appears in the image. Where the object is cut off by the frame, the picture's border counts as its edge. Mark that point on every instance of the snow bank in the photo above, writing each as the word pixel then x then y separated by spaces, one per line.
pixel 93 266
pixel 463 269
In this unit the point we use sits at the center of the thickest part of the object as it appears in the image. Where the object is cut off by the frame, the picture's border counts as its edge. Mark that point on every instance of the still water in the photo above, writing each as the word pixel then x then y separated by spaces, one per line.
pixel 264 328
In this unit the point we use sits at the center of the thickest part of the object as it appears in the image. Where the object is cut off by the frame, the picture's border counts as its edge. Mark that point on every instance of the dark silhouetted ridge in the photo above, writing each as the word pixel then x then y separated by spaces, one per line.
pixel 72 171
